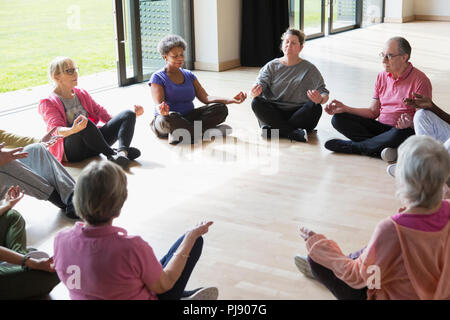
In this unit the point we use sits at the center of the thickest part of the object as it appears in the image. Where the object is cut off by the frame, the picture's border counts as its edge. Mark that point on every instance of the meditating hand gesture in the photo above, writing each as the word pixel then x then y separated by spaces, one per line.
pixel 256 90
pixel 12 197
pixel 404 121
pixel 49 139
pixel 305 233
pixel 163 108
pixel 335 107
pixel 314 96
pixel 8 156
pixel 419 101
pixel 239 98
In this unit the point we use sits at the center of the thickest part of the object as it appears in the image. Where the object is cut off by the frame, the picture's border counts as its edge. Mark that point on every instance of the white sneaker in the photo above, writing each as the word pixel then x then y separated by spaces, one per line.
pixel 38 255
pixel 303 266
pixel 391 170
pixel 208 293
pixel 389 154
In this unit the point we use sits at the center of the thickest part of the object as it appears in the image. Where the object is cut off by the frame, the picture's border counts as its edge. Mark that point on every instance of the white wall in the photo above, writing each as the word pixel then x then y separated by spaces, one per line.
pixel 205 28
pixel 217 27
pixel 432 7
pixel 229 28
pixel 399 10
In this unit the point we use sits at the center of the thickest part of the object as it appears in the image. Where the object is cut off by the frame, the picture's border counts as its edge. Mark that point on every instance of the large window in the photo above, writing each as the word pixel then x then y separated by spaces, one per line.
pixel 140 24
pixel 320 17
pixel 32 33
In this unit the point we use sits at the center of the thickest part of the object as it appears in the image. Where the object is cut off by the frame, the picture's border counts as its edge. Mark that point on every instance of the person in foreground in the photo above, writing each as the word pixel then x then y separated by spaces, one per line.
pixel 381 138
pixel 408 255
pixel 75 115
pixel 24 273
pixel 32 167
pixel 96 260
pixel 173 91
pixel 289 92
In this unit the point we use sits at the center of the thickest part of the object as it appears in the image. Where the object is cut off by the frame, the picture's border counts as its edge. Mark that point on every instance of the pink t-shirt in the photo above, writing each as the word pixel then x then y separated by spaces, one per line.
pixel 105 263
pixel 425 222
pixel 391 92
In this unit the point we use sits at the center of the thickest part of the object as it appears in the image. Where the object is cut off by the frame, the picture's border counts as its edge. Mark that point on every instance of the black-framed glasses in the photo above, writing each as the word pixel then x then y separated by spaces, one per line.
pixel 388 56
pixel 71 71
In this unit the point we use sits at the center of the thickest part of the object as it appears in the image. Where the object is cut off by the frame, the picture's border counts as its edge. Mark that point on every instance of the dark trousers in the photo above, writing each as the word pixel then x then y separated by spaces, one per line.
pixel 370 136
pixel 338 288
pixel 16 282
pixel 210 116
pixel 305 117
pixel 93 141
pixel 177 290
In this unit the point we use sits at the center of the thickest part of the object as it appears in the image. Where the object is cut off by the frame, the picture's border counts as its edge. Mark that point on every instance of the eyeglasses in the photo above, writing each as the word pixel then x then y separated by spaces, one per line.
pixel 71 71
pixel 388 56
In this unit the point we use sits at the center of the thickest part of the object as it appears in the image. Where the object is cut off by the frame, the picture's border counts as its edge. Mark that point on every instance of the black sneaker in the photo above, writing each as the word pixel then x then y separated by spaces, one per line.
pixel 120 160
pixel 340 146
pixel 133 153
pixel 299 135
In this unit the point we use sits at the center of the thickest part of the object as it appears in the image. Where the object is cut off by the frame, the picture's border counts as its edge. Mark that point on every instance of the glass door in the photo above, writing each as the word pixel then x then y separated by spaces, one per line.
pixel 344 15
pixel 312 18
pixel 309 16
pixel 140 24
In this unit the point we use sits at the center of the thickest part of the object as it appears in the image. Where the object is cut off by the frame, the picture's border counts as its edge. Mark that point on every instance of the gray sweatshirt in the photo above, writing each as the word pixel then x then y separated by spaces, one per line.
pixel 287 85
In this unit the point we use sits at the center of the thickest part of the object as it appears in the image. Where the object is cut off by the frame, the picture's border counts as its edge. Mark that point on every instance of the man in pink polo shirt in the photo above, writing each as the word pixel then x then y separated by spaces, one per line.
pixel 380 138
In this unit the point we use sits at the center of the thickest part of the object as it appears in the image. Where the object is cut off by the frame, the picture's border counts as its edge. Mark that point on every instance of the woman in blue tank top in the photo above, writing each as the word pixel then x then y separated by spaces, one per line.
pixel 174 90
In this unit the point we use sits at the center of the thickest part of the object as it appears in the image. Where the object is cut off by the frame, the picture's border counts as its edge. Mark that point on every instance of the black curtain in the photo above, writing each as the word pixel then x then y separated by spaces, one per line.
pixel 263 23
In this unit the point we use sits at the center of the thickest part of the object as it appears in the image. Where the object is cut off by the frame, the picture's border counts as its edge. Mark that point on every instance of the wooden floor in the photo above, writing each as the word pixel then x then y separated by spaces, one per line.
pixel 257 194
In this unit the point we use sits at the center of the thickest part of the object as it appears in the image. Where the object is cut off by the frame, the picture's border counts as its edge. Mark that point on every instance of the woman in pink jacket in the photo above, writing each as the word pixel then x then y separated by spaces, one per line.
pixel 408 256
pixel 75 115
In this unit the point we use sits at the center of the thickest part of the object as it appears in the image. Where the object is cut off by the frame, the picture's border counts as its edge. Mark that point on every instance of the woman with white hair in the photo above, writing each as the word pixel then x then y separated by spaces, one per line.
pixel 97 260
pixel 408 256
pixel 75 114
pixel 173 91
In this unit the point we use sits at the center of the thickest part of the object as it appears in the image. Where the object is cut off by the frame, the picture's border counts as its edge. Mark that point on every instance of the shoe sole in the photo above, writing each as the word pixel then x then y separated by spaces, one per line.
pixel 389 154
pixel 211 293
pixel 303 266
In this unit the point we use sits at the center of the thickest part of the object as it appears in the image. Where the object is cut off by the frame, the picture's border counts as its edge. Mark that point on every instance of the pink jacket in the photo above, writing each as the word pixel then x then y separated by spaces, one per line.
pixel 412 264
pixel 52 110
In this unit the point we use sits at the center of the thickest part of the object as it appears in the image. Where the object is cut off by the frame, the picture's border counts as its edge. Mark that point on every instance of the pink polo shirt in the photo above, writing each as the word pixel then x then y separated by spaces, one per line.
pixel 391 92
pixel 105 263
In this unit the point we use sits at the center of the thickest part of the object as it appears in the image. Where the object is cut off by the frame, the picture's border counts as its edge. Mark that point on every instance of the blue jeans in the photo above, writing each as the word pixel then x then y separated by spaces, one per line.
pixel 177 290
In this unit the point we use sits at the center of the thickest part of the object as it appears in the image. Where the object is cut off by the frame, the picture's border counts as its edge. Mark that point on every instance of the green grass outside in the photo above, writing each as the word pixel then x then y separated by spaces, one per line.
pixel 33 32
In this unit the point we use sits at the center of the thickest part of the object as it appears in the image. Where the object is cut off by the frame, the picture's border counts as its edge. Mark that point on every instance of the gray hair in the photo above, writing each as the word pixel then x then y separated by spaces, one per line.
pixel 423 167
pixel 403 46
pixel 57 66
pixel 100 192
pixel 169 42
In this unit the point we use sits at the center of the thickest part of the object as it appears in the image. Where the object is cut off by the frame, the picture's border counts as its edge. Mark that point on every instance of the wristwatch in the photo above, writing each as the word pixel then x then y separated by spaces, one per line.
pixel 24 260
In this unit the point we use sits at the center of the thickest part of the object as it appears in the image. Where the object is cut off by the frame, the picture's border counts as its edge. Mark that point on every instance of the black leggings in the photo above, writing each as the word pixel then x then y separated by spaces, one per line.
pixel 304 117
pixel 338 288
pixel 93 141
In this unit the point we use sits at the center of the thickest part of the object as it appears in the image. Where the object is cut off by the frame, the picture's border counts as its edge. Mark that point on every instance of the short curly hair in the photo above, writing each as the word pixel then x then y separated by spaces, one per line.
pixel 169 42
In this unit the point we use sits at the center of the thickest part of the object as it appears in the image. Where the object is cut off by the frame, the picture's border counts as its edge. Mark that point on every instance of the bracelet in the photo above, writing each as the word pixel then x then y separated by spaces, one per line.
pixel 24 260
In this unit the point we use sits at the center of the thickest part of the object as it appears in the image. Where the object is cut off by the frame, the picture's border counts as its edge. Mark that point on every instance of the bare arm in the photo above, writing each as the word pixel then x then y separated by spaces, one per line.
pixel 205 98
pixel 159 97
pixel 175 267
pixel 79 124
pixel 372 112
